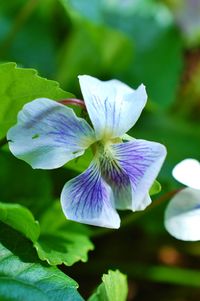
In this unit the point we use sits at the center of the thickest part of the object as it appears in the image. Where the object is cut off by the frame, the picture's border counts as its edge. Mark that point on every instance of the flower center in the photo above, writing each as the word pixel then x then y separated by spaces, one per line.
pixel 104 154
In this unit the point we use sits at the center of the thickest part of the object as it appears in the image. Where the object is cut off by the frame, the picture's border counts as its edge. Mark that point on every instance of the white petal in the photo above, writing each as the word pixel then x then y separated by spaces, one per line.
pixel 182 215
pixel 187 172
pixel 48 134
pixel 113 107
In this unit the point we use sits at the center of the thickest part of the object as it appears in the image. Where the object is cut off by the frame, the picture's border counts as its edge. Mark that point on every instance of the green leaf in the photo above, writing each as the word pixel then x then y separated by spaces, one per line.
pixel 155 188
pixel 21 219
pixel 23 277
pixel 63 248
pixel 19 86
pixel 62 241
pixel 114 287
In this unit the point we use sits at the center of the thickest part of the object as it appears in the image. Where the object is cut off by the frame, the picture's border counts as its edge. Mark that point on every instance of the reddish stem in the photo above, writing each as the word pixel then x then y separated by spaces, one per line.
pixel 73 101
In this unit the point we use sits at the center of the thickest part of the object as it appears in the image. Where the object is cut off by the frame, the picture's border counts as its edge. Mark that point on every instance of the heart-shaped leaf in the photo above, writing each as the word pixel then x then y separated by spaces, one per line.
pixel 23 277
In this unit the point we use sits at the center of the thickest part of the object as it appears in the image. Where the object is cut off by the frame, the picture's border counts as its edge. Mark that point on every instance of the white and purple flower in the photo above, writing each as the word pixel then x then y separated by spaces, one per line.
pixel 49 134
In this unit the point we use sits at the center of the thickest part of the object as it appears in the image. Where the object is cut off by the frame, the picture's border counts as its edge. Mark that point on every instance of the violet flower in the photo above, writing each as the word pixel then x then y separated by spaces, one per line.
pixel 49 134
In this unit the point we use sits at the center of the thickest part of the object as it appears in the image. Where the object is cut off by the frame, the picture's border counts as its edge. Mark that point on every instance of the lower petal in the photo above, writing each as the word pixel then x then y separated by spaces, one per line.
pixel 88 199
pixel 182 215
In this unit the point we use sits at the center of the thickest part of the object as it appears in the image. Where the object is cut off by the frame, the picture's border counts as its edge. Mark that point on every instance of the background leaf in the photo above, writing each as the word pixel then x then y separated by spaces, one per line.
pixel 23 277
pixel 20 219
pixel 36 43
pixel 114 287
pixel 62 241
pixel 106 43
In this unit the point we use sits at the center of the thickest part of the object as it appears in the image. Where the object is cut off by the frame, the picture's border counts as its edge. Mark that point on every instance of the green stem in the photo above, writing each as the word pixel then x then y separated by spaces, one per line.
pixel 132 217
pixel 21 18
pixel 3 141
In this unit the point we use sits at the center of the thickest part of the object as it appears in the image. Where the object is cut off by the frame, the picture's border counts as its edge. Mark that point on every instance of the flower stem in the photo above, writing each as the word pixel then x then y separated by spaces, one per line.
pixel 73 101
pixel 132 217
pixel 3 141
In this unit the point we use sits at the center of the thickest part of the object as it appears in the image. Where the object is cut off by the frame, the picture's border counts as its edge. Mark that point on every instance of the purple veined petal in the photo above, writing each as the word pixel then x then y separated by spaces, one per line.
pixel 48 134
pixel 131 172
pixel 182 215
pixel 187 172
pixel 113 106
pixel 88 199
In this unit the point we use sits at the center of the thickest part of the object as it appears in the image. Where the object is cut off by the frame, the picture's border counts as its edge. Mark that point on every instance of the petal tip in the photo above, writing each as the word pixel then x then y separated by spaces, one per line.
pixel 187 172
pixel 142 89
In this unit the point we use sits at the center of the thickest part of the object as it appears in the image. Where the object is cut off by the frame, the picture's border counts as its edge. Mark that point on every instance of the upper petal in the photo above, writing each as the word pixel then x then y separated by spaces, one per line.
pixel 88 199
pixel 187 172
pixel 113 107
pixel 182 215
pixel 48 134
pixel 132 171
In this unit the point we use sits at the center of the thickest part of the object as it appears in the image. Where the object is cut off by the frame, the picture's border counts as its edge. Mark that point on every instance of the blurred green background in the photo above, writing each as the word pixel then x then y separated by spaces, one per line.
pixel 152 42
